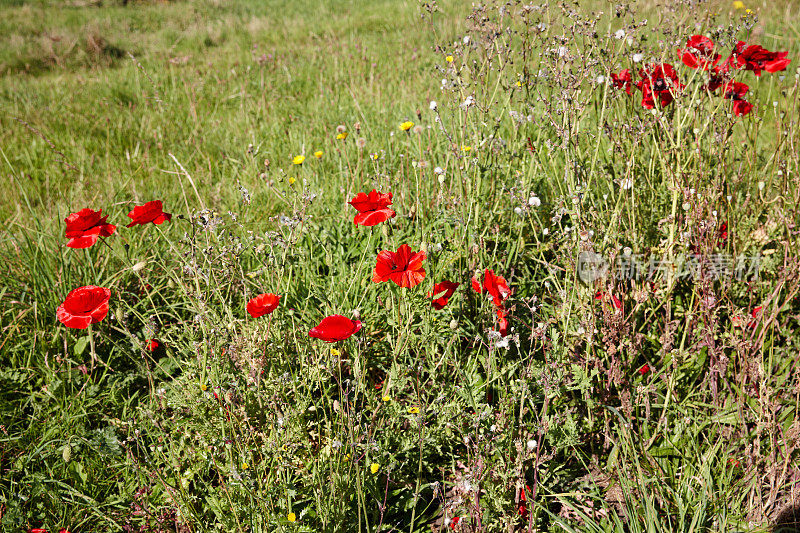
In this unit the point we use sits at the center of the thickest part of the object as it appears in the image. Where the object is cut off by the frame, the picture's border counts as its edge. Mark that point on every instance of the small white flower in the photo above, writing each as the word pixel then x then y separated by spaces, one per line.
pixel 439 171
pixel 531 445
pixel 637 57
pixel 545 231
pixel 619 34
pixel 466 39
pixel 761 185
pixel 601 79
pixel 534 201
pixel 433 105
pixel 518 210
pixel 626 183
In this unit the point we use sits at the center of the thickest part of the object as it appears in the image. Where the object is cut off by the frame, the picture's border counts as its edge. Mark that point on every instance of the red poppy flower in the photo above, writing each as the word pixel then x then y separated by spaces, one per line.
pixel 502 319
pixel 446 287
pixel 335 328
pixel 523 499
pixel 644 369
pixel 152 345
pixel 699 53
pixel 149 212
pixel 494 285
pixel 735 91
pixel 756 315
pixel 623 80
pixel 37 530
pixel 373 208
pixel 86 226
pixel 263 304
pixel 722 235
pixel 454 522
pixel 741 108
pixel 658 81
pixel 757 58
pixel 404 267
pixel 84 306
pixel 616 302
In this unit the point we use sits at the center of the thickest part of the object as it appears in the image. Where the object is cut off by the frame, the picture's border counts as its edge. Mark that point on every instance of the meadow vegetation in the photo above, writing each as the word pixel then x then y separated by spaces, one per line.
pixel 656 391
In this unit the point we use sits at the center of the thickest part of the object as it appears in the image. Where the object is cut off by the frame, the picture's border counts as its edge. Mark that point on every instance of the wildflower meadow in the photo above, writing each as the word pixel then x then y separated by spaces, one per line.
pixel 399 266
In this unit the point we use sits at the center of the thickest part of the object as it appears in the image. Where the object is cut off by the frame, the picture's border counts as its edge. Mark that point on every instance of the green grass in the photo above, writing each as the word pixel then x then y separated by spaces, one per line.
pixel 234 423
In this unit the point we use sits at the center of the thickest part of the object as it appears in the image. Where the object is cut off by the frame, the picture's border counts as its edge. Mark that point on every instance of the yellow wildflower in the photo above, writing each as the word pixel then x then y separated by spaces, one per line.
pixel 413 410
pixel 291 517
pixel 203 387
pixel 407 125
pixel 342 136
pixel 738 5
pixel 291 181
pixel 386 398
pixel 335 352
pixel 245 466
pixel 519 84
pixel 449 59
pixel 374 467
pixel 748 11
pixel 465 148
pixel 374 156
pixel 318 154
pixel 298 159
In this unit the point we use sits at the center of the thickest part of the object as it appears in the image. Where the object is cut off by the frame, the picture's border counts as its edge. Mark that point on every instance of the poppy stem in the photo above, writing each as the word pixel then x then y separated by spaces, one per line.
pixel 94 353
pixel 91 347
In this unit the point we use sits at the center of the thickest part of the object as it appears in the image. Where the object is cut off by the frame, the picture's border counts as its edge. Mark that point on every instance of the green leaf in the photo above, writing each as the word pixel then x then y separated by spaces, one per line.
pixel 81 345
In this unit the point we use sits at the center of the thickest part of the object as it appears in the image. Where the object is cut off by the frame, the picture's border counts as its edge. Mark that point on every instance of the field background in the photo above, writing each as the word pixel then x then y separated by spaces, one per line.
pixel 234 424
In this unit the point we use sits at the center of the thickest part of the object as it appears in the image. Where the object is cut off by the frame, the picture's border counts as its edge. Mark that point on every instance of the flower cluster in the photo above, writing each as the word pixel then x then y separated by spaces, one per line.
pixel 404 267
pixel 89 304
pixel 660 82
